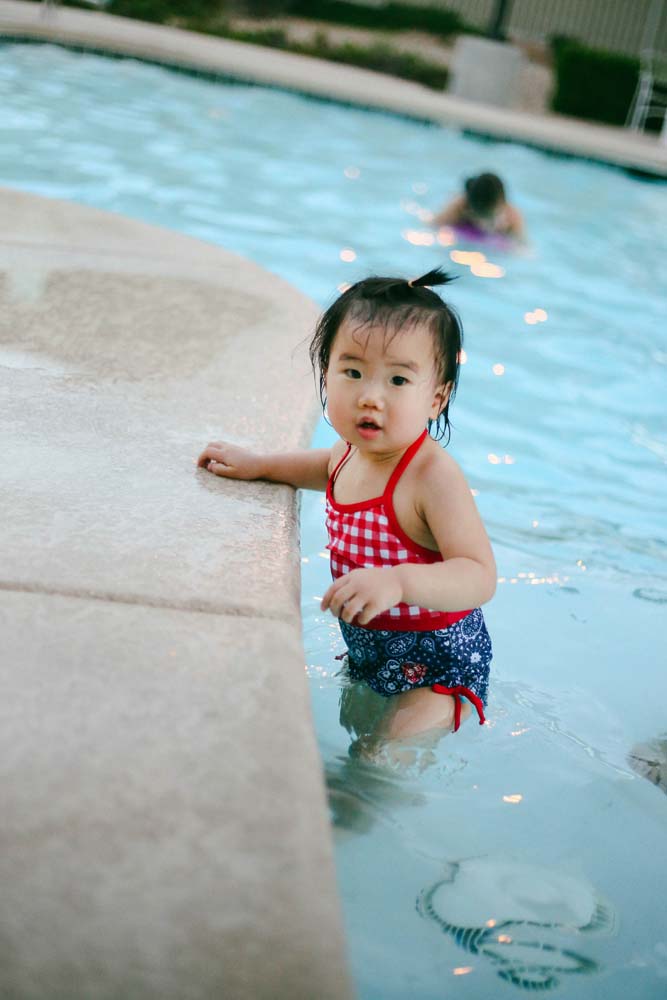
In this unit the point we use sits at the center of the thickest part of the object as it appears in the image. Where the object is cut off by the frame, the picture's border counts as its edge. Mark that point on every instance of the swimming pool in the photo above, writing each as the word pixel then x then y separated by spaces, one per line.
pixel 528 853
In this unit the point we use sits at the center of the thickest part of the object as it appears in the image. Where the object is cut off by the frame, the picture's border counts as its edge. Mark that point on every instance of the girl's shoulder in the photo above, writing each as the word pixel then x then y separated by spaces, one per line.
pixel 432 455
pixel 337 451
pixel 434 469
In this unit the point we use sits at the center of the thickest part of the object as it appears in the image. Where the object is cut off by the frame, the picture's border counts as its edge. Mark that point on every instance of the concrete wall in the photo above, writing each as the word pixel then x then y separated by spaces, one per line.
pixel 163 823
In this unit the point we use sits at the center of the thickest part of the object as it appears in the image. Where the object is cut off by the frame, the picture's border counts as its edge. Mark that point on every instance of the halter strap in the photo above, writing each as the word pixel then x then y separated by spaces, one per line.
pixel 403 464
pixel 332 477
pixel 386 497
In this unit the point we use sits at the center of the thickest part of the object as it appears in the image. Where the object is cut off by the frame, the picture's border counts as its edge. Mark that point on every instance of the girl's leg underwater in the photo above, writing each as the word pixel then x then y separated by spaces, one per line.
pixel 379 723
pixel 418 711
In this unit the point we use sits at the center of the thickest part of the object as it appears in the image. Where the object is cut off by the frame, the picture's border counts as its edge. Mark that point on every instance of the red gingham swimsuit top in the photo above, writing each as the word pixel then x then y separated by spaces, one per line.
pixel 367 534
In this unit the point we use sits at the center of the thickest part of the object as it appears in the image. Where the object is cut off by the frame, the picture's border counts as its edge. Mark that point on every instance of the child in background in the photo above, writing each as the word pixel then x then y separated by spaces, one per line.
pixel 410 559
pixel 483 206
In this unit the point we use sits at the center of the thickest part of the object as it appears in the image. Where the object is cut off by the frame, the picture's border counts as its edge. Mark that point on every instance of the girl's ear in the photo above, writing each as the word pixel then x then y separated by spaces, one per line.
pixel 440 399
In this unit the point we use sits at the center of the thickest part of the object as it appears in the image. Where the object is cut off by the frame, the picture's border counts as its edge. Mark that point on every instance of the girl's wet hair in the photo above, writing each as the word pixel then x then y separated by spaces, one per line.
pixel 397 304
pixel 484 192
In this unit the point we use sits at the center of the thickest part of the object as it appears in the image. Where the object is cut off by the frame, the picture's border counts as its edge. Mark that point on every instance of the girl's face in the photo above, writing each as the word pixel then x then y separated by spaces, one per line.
pixel 487 218
pixel 382 387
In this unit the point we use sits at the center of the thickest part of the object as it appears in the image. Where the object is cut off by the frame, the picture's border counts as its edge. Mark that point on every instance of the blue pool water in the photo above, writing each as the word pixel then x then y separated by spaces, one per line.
pixel 527 854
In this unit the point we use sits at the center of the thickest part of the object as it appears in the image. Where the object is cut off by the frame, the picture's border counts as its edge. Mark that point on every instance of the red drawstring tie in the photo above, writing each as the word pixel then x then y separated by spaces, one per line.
pixel 456 693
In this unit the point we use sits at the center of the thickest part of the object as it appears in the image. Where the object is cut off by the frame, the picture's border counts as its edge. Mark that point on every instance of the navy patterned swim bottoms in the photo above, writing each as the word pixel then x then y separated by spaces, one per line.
pixel 455 658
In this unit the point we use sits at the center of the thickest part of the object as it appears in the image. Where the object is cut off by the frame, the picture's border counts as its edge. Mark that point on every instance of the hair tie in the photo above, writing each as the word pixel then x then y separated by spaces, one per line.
pixel 411 282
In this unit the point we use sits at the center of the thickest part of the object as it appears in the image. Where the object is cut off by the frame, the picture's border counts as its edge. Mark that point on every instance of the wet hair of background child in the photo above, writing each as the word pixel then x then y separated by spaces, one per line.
pixel 410 559
pixel 483 205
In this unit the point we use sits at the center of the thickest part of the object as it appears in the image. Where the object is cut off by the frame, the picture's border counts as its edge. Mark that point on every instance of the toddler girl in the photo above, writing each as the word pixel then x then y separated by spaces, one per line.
pixel 483 206
pixel 410 559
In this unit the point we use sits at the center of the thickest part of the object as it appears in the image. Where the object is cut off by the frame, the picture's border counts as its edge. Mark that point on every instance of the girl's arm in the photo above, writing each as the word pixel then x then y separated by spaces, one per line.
pixel 465 579
pixel 452 213
pixel 306 470
pixel 467 575
pixel 517 227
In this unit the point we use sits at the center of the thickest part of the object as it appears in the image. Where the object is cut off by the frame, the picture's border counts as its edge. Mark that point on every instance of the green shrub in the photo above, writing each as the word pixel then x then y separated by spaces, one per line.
pixel 592 84
pixel 202 15
pixel 261 8
pixel 274 38
pixel 381 58
pixel 159 11
pixel 388 16
pixel 558 42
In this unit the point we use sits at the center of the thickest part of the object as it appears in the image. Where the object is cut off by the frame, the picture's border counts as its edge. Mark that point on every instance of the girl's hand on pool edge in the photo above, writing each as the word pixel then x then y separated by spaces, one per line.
pixel 359 596
pixel 229 461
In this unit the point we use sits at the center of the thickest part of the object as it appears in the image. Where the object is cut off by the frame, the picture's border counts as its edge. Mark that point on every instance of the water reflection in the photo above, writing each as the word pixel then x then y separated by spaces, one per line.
pixel 363 794
pixel 516 916
pixel 378 774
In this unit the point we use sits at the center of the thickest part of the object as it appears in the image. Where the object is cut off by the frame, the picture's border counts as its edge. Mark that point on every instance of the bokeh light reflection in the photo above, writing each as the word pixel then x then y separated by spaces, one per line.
pixel 418 237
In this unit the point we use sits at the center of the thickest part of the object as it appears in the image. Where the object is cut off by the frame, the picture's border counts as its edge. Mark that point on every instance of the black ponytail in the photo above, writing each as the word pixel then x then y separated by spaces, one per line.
pixel 435 277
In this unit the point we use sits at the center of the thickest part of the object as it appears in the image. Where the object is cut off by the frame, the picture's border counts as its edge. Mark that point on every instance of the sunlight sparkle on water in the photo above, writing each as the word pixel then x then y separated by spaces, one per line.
pixel 467 257
pixel 418 237
pixel 533 580
pixel 487 270
pixel 446 237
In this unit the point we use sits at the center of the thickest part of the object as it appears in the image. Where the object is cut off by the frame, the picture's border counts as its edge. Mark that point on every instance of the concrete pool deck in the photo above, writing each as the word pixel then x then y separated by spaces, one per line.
pixel 95 30
pixel 164 825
